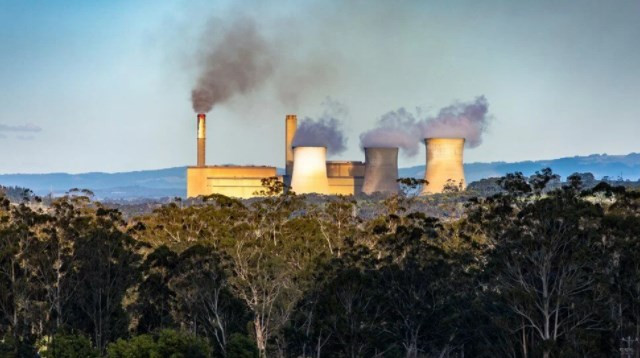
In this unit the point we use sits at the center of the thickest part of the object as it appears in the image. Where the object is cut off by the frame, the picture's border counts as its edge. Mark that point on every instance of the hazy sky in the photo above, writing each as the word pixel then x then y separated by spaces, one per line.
pixel 106 85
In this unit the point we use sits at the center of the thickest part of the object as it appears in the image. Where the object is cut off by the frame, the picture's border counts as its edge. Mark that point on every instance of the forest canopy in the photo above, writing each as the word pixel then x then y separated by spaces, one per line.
pixel 536 268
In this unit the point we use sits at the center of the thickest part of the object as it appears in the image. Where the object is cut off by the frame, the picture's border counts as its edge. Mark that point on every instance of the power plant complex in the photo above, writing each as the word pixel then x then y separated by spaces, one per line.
pixel 308 171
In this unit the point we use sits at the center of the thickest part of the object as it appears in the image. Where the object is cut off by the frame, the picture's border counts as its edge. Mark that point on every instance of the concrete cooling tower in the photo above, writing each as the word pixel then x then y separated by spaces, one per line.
pixel 310 170
pixel 444 164
pixel 380 170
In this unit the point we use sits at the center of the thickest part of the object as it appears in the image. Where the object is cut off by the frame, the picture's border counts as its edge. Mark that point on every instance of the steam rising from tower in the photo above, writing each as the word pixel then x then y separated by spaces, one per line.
pixel 325 131
pixel 403 129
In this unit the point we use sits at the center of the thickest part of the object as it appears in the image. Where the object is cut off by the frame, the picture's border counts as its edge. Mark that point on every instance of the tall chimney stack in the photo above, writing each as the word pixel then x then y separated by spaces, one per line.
pixel 291 124
pixel 380 170
pixel 201 139
pixel 444 164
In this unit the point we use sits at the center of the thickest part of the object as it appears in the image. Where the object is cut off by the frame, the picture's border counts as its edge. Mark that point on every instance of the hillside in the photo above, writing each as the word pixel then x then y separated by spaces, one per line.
pixel 171 182
pixel 600 165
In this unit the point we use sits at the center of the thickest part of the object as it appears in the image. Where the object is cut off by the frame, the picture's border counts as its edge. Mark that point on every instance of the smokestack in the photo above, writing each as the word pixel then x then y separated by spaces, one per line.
pixel 291 124
pixel 201 139
pixel 310 170
pixel 444 164
pixel 380 170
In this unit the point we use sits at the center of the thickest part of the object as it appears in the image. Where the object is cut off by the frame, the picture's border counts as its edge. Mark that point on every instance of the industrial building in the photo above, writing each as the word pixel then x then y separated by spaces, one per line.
pixel 343 177
pixel 308 171
pixel 230 180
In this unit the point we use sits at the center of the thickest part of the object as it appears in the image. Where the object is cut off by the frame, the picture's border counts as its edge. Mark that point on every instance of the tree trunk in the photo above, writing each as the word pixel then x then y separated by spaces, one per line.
pixel 524 341
pixel 412 348
pixel 260 339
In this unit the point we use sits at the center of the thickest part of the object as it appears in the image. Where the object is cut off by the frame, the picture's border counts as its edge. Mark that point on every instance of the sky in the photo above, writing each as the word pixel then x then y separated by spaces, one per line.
pixel 105 85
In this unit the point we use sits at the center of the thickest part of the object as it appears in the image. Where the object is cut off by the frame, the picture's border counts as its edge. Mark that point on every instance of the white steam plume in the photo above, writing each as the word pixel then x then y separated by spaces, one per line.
pixel 403 129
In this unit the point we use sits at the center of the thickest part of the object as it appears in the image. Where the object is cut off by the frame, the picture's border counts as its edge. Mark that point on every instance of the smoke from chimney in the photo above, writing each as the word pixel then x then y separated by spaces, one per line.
pixel 405 130
pixel 237 64
pixel 325 131
pixel 236 57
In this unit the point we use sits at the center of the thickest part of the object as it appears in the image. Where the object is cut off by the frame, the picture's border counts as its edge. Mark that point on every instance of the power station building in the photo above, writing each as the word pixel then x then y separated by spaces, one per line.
pixel 230 180
pixel 342 177
pixel 308 171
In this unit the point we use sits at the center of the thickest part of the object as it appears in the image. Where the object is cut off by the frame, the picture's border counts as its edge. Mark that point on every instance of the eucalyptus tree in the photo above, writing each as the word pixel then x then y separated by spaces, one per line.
pixel 106 266
pixel 621 226
pixel 21 300
pixel 203 301
pixel 545 261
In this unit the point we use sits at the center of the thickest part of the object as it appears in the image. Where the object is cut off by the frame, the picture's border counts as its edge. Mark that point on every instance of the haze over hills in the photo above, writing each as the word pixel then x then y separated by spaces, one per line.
pixel 171 182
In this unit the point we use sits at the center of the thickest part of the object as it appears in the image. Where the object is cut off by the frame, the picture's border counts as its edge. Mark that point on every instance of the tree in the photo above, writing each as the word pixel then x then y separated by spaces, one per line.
pixel 21 312
pixel 203 301
pixel 69 218
pixel 426 285
pixel 545 261
pixel 165 343
pixel 69 346
pixel 336 219
pixel 107 266
pixel 344 315
pixel 451 186
pixel 240 346
pixel 154 298
pixel 621 225
pixel 271 251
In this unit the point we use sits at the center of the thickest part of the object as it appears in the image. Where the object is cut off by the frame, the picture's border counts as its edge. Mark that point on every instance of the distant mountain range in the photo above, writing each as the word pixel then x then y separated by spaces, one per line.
pixel 171 182
pixel 600 165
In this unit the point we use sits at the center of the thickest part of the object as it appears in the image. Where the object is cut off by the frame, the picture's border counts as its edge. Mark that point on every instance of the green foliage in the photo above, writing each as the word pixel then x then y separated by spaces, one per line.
pixel 452 187
pixel 531 269
pixel 16 194
pixel 411 186
pixel 143 346
pixel 165 343
pixel 69 346
pixel 272 186
pixel 12 347
pixel 153 306
pixel 241 346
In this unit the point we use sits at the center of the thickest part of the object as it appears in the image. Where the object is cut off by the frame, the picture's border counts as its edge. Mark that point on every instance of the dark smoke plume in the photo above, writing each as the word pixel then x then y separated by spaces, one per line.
pixel 325 131
pixel 405 130
pixel 236 57
pixel 238 63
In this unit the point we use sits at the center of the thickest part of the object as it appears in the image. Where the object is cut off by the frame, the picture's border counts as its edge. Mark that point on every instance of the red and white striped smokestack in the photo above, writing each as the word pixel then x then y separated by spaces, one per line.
pixel 201 139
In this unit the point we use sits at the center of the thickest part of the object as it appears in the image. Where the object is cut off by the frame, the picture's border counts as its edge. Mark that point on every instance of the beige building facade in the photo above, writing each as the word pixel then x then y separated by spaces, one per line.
pixel 345 177
pixel 229 180
pixel 233 181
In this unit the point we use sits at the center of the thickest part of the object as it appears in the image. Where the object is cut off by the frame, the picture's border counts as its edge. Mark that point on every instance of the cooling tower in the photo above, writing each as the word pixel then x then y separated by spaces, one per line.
pixel 201 139
pixel 310 170
pixel 380 170
pixel 444 164
pixel 291 124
